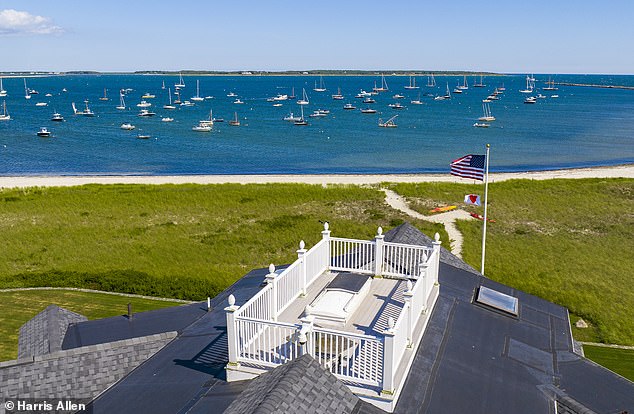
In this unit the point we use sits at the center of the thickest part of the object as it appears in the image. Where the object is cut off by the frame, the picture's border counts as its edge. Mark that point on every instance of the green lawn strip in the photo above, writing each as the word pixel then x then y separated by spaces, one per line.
pixel 620 361
pixel 568 241
pixel 16 308
pixel 181 241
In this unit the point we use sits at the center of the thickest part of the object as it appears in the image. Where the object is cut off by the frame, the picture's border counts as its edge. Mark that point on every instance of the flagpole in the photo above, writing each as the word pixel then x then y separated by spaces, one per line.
pixel 486 192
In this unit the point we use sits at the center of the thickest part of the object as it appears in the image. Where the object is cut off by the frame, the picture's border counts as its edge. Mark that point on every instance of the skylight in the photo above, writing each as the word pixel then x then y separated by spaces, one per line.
pixel 497 300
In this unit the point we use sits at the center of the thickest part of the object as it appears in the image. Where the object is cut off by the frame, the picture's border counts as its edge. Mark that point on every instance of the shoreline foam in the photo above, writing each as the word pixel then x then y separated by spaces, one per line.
pixel 621 171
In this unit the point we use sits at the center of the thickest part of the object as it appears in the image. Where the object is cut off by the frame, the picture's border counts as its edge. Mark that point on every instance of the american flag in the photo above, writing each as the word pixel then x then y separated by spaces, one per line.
pixel 469 166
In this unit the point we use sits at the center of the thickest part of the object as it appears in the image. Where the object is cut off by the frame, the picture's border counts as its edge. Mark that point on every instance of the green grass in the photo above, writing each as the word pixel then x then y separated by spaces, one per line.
pixel 568 241
pixel 620 361
pixel 16 308
pixel 181 241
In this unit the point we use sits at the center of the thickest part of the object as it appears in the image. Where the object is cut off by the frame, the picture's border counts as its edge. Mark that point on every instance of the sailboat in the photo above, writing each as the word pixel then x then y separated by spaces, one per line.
pixel 197 98
pixel 121 101
pixel 105 95
pixel 235 121
pixel 529 85
pixel 464 85
pixel 446 96
pixel 431 81
pixel 304 100
pixel 383 87
pixel 479 84
pixel 27 95
pixel 181 82
pixel 338 95
pixel 417 101
pixel 170 106
pixel 412 83
pixel 321 88
pixel 301 121
pixel 3 93
pixel 163 87
pixel 551 85
pixel 292 95
pixel 5 115
pixel 487 113
pixel 209 121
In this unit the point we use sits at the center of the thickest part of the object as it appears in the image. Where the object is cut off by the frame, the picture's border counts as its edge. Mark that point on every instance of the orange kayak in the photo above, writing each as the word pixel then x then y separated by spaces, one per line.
pixel 442 209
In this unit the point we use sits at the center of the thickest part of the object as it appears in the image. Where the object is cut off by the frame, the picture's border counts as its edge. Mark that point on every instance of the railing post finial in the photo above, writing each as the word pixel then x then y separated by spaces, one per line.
pixel 325 234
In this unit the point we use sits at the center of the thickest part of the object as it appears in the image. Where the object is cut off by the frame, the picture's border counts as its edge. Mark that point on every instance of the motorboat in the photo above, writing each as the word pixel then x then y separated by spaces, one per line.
pixel 291 118
pixel 146 112
pixel 148 95
pixel 167 119
pixel 396 105
pixel 144 104
pixel 349 106
pixel 57 117
pixel 530 100
pixel 43 132
pixel 280 97
pixel 369 100
pixel 41 104
pixel 481 125
pixel 398 96
pixel 238 101
pixel 144 136
pixel 127 126
pixel 202 128
pixel 232 95
pixel 187 103
pixel 85 112
pixel 368 111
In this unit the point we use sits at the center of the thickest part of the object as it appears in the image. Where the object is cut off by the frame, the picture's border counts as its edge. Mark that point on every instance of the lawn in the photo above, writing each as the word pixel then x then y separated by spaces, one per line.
pixel 568 241
pixel 620 361
pixel 16 308
pixel 180 241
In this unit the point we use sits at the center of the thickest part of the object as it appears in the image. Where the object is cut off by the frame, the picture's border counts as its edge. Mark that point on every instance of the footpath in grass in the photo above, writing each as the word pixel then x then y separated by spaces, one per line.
pixel 179 241
pixel 16 308
pixel 567 241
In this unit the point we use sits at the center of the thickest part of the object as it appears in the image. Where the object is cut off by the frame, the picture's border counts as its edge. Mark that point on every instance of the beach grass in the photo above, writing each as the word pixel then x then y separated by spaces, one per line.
pixel 620 361
pixel 17 307
pixel 179 241
pixel 567 241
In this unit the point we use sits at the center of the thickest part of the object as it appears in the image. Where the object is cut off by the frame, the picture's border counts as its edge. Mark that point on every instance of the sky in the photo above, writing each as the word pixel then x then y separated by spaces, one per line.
pixel 555 36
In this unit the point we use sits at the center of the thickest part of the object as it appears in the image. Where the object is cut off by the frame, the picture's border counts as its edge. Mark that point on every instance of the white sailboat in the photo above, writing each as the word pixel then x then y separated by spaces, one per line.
pixel 121 106
pixel 479 84
pixel 431 81
pixel 321 88
pixel 5 115
pixel 105 95
pixel 412 83
pixel 383 87
pixel 487 113
pixel 197 98
pixel 338 95
pixel 3 93
pixel 304 100
pixel 301 121
pixel 27 95
pixel 529 85
pixel 550 85
pixel 163 87
pixel 181 82
pixel 464 85
pixel 170 106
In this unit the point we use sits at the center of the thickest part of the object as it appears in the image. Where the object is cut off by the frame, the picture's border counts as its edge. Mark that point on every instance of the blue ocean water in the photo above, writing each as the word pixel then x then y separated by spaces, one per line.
pixel 582 127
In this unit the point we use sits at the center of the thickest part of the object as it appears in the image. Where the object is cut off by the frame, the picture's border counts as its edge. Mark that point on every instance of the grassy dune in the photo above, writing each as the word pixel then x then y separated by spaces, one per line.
pixel 181 241
pixel 568 241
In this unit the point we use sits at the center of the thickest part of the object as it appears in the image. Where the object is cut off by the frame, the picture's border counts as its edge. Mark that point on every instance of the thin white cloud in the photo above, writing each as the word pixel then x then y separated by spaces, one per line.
pixel 14 22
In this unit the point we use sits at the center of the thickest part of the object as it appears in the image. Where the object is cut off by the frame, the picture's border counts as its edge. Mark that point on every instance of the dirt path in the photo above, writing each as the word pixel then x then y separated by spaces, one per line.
pixel 447 219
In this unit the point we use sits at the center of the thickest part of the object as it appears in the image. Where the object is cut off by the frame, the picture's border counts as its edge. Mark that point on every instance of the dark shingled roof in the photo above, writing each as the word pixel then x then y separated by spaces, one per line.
pixel 471 359
pixel 301 385
pixel 44 333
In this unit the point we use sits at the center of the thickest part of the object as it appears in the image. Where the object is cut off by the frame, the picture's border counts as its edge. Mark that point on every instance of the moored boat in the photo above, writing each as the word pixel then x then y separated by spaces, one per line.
pixel 43 132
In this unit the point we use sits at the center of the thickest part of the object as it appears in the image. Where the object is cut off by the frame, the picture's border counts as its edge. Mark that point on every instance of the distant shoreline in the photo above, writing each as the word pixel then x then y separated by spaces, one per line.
pixel 620 171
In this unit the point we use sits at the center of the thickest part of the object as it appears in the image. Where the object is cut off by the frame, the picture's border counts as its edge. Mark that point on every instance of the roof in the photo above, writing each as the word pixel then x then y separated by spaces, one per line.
pixel 471 359
pixel 301 385
pixel 44 333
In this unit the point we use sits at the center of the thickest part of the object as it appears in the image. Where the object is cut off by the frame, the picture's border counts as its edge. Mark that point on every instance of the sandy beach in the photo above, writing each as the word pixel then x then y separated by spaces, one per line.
pixel 625 171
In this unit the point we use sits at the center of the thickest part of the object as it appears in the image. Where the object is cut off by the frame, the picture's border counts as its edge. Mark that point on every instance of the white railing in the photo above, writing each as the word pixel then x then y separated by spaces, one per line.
pixel 289 286
pixel 265 342
pixel 352 255
pixel 404 260
pixel 317 260
pixel 352 357
pixel 255 336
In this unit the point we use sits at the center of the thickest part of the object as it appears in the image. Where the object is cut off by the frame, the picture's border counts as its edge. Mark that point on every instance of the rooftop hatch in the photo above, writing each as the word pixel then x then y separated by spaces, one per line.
pixel 497 300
